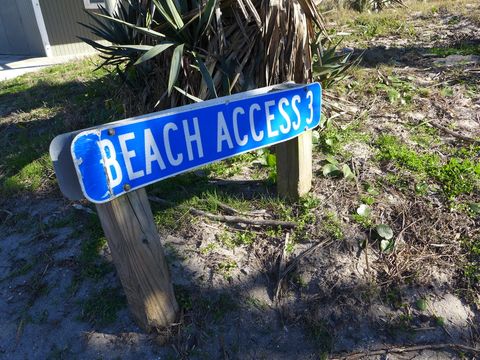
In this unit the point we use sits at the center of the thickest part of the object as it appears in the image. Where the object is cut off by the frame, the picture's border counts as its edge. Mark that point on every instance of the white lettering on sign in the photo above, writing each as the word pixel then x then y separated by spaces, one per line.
pixel 310 106
pixel 273 112
pixel 166 140
pixel 152 153
pixel 109 159
pixel 189 138
pixel 296 99
pixel 222 133
pixel 270 117
pixel 256 136
pixel 240 141
pixel 128 155
pixel 284 129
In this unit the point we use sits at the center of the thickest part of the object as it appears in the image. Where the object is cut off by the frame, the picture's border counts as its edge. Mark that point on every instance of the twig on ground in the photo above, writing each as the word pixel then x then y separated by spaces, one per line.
pixel 7 212
pixel 227 218
pixel 400 350
pixel 223 182
pixel 453 133
pixel 83 208
pixel 340 105
pixel 300 256
pixel 9 215
pixel 404 228
pixel 281 267
pixel 228 208
pixel 366 251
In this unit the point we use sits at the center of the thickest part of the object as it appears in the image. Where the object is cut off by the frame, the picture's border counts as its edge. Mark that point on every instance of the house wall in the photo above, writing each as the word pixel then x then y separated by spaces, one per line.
pixel 19 33
pixel 62 19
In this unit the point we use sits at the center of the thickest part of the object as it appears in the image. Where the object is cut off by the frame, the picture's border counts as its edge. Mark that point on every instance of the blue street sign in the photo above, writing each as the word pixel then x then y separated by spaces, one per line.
pixel 121 156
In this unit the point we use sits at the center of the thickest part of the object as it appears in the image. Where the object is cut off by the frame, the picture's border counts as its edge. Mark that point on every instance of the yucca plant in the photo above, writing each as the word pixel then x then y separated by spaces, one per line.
pixel 179 51
pixel 329 64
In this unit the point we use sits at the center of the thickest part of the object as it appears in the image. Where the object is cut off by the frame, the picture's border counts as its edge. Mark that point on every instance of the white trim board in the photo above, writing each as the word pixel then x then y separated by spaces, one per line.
pixel 42 28
pixel 93 5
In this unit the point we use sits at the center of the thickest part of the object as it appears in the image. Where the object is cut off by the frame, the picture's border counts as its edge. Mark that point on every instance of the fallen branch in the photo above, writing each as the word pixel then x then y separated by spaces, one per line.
pixel 223 182
pixel 227 208
pixel 299 257
pixel 339 105
pixel 400 350
pixel 83 208
pixel 281 267
pixel 227 218
pixel 9 215
pixel 453 133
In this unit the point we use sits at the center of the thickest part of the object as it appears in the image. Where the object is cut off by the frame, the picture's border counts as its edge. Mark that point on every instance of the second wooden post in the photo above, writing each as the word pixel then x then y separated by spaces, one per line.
pixel 294 166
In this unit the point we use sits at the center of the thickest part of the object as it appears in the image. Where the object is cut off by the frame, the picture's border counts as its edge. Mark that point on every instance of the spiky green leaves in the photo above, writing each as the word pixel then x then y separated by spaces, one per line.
pixel 154 51
pixel 175 67
pixel 205 48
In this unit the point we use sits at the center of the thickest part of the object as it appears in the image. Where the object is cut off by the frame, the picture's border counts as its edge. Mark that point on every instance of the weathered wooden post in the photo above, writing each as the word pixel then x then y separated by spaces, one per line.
pixel 111 164
pixel 294 166
pixel 132 237
pixel 138 256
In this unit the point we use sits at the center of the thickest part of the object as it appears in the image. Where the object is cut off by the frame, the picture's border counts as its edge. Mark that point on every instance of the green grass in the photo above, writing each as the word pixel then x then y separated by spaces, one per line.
pixel 92 265
pixel 384 81
pixel 226 239
pixel 265 166
pixel 182 294
pixel 229 167
pixel 471 270
pixel 399 91
pixel 254 303
pixel 190 190
pixel 332 226
pixel 205 250
pixel 421 304
pixel 244 238
pixel 461 49
pixel 333 139
pixel 31 177
pixel 425 136
pixel 439 321
pixel 193 190
pixel 306 210
pixel 225 268
pixel 459 175
pixel 38 106
pixel 364 221
pixel 387 23
pixel 319 333
pixel 231 241
pixel 217 306
pixel 101 307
